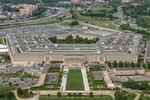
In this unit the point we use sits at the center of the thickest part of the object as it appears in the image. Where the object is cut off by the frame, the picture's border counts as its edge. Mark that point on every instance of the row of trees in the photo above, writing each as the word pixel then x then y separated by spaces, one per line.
pixel 135 85
pixel 123 95
pixel 104 13
pixel 127 64
pixel 75 94
pixel 70 40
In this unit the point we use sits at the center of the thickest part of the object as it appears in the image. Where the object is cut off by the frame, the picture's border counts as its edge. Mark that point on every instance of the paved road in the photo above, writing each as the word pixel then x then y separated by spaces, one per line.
pixel 27 21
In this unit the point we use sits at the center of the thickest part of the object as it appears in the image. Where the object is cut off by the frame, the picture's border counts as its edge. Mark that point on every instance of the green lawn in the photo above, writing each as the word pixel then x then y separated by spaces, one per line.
pixel 1 41
pixel 74 80
pixel 11 75
pixel 6 94
pixel 26 75
pixel 45 87
pixel 75 98
pixel 17 75
pixel 102 22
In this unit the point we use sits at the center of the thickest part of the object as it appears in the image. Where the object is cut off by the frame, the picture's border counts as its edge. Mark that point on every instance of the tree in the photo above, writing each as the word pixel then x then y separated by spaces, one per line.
pixel 115 64
pixel 19 91
pixel 79 94
pixel 90 94
pixel 145 85
pixel 74 23
pixel 126 64
pixel 132 64
pixel 138 64
pixel 109 64
pixel 143 65
pixel 148 65
pixel 59 94
pixel 39 11
pixel 10 83
pixel 120 64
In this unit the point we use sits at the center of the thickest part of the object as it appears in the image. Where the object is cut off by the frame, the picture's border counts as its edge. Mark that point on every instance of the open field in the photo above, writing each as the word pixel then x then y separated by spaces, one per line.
pixel 74 80
pixel 102 22
pixel 75 98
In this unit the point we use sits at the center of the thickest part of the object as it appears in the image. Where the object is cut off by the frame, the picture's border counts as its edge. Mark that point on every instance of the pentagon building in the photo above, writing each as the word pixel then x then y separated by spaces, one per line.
pixel 30 48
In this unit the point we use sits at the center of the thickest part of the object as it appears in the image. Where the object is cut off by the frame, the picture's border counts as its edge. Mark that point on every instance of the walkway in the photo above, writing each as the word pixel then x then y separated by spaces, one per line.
pixel 107 79
pixel 64 81
pixel 41 80
pixel 85 80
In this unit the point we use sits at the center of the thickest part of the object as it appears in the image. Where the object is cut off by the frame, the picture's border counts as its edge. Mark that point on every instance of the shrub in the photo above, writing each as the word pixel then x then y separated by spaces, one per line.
pixel 59 94
pixel 69 94
pixel 79 94
pixel 74 94
pixel 90 94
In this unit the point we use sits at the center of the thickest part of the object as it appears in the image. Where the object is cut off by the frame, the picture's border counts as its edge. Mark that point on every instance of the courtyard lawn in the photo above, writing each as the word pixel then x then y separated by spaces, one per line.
pixel 26 75
pixel 74 80
pixel 75 98
pixel 11 75
pixel 1 41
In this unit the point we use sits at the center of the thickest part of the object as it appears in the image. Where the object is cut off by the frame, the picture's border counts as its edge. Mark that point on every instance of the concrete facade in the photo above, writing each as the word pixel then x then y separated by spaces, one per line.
pixel 31 48
pixel 129 71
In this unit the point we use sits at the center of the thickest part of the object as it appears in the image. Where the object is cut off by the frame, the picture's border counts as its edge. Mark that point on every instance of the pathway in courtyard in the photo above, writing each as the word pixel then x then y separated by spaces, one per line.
pixel 41 80
pixel 85 80
pixel 64 80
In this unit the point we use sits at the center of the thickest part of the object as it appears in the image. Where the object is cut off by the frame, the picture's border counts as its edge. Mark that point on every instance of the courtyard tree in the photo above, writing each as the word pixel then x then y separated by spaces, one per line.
pixel 115 64
pixel 109 64
pixel 59 94
pixel 126 64
pixel 148 65
pixel 120 64
pixel 132 64
pixel 91 94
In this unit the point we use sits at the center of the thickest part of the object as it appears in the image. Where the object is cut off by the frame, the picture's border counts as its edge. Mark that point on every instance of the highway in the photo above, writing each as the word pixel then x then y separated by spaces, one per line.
pixel 61 12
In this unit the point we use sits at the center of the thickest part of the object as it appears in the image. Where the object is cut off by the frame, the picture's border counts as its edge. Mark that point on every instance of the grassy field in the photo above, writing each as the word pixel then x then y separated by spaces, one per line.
pixel 75 98
pixel 102 22
pixel 2 41
pixel 17 75
pixel 74 80
pixel 26 75
pixel 11 75
pixel 6 94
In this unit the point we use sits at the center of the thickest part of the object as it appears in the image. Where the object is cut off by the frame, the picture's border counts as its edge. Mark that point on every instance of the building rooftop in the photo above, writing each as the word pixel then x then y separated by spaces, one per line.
pixel 20 41
pixel 130 68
